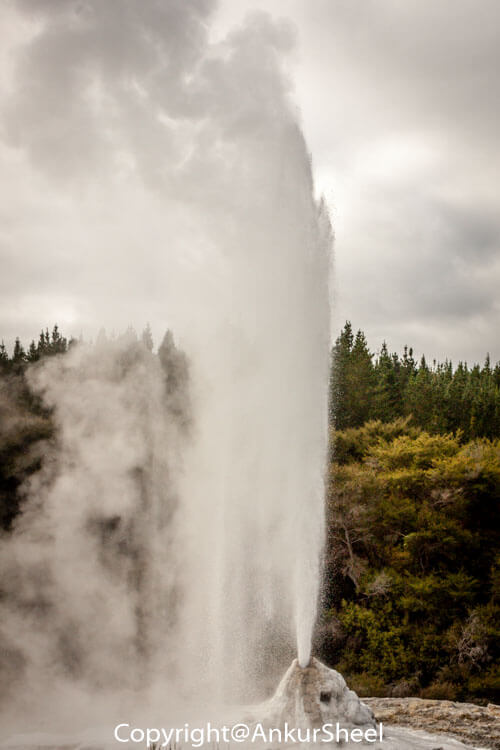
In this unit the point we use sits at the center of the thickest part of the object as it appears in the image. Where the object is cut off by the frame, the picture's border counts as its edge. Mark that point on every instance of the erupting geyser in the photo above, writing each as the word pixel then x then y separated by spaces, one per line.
pixel 178 520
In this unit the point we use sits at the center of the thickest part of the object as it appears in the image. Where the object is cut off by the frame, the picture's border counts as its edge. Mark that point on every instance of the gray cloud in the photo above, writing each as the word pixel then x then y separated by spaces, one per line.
pixel 431 277
pixel 403 126
pixel 119 120
pixel 398 107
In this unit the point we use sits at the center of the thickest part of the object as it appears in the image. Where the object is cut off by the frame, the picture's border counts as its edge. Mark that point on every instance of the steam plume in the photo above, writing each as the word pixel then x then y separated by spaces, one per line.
pixel 183 546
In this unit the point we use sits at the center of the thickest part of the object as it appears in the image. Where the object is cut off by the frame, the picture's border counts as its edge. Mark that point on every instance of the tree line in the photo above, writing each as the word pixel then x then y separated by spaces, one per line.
pixel 26 425
pixel 48 344
pixel 439 398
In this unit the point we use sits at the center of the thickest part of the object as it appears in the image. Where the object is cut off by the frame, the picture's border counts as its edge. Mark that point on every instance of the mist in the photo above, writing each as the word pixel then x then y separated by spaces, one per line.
pixel 170 547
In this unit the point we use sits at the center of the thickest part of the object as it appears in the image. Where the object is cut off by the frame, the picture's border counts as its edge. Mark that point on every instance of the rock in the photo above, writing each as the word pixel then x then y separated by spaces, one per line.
pixel 314 696
pixel 402 689
pixel 478 725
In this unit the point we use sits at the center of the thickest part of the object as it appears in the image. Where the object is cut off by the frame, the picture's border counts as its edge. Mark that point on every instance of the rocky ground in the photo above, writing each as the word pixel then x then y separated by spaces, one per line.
pixel 477 725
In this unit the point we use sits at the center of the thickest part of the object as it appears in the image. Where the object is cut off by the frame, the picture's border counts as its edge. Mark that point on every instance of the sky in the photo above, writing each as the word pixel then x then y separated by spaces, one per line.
pixel 398 105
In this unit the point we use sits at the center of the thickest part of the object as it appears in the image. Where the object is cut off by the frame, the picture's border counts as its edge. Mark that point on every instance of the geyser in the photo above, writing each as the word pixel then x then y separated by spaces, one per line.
pixel 161 551
pixel 317 702
pixel 315 696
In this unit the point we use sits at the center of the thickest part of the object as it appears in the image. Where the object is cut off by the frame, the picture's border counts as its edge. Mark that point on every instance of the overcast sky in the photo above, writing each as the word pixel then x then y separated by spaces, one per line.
pixel 399 103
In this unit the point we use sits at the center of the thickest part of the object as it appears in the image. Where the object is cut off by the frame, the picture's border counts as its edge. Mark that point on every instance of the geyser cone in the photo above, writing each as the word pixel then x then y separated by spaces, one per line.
pixel 311 697
pixel 316 695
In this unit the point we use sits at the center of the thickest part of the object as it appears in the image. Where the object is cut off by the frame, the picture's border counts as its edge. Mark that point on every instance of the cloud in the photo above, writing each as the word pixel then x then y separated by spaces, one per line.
pixel 429 271
pixel 111 112
pixel 408 85
pixel 399 113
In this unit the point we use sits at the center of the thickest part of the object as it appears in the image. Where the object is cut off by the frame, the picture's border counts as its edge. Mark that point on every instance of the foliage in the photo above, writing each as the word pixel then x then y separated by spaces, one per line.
pixel 439 399
pixel 26 426
pixel 413 553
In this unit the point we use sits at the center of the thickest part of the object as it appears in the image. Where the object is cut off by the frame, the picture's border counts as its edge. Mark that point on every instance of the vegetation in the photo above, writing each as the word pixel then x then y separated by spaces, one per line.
pixel 439 398
pixel 412 578
pixel 25 424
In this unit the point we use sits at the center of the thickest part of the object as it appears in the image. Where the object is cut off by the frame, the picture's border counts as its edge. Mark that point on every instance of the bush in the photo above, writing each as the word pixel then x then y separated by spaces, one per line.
pixel 413 556
pixel 442 691
pixel 366 685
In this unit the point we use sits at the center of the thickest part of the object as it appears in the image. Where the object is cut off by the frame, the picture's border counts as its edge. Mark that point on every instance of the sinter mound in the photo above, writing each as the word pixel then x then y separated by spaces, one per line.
pixel 316 695
pixel 312 696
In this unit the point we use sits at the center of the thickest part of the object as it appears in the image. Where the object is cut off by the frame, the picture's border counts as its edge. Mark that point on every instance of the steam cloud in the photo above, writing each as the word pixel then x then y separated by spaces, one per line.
pixel 180 539
pixel 89 575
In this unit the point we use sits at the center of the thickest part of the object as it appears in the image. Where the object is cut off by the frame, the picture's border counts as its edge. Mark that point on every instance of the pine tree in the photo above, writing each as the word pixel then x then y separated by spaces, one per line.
pixel 459 401
pixel 485 401
pixel 388 397
pixel 33 354
pixel 42 346
pixel 58 344
pixel 442 377
pixel 4 357
pixel 147 338
pixel 18 356
pixel 361 382
pixel 420 397
pixel 341 354
pixel 496 374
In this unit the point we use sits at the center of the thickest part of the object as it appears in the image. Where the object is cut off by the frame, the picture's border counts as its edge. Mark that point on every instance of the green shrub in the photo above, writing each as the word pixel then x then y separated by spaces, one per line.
pixel 413 559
